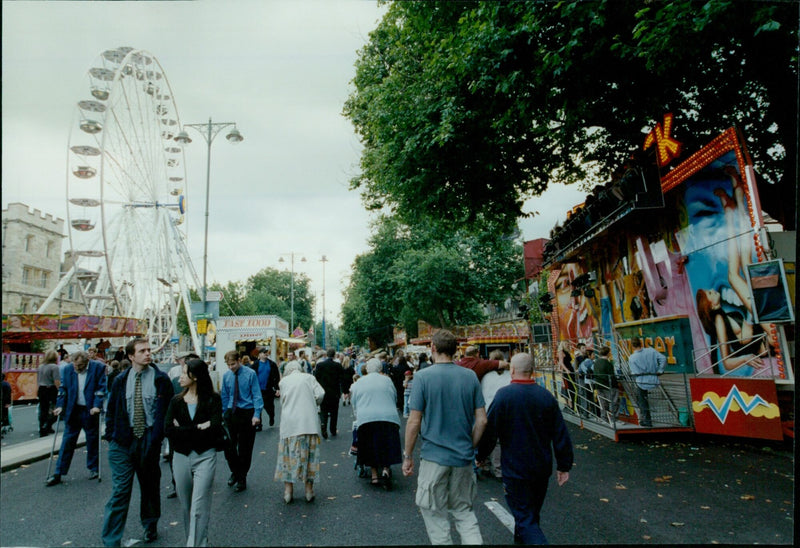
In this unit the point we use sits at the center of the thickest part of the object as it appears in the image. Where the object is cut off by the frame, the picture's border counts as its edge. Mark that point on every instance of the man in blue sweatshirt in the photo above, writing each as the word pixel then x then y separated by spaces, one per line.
pixel 526 419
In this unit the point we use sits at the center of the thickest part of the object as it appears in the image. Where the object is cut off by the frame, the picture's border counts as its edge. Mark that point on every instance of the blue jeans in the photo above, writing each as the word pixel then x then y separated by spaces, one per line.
pixel 79 419
pixel 525 499
pixel 124 463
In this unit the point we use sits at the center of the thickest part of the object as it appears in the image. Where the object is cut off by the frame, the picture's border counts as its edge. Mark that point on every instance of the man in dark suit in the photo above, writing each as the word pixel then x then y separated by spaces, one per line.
pixel 137 406
pixel 329 374
pixel 268 378
pixel 80 399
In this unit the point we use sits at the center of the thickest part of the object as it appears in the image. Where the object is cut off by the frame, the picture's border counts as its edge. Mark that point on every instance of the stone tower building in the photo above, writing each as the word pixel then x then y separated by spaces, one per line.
pixel 32 261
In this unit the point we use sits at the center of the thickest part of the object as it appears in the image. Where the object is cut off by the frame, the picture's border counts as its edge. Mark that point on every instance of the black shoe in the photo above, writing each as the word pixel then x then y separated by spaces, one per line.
pixel 55 479
pixel 172 495
pixel 325 434
pixel 272 421
pixel 333 432
pixel 93 475
pixel 240 486
pixel 151 533
pixel 259 428
pixel 43 434
pixel 231 480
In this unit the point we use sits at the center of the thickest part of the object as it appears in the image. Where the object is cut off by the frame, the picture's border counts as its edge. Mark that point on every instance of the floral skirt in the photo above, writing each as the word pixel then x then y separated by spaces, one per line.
pixel 298 458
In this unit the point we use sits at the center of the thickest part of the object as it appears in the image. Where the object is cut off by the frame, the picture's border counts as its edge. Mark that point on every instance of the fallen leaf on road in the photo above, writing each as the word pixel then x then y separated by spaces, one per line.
pixel 331 498
pixel 263 453
pixel 24 465
pixel 642 520
pixel 335 465
pixel 620 486
pixel 706 507
pixel 659 495
pixel 677 524
pixel 356 496
pixel 603 500
pixel 662 479
pixel 646 537
pixel 66 543
pixel 173 523
pixel 748 497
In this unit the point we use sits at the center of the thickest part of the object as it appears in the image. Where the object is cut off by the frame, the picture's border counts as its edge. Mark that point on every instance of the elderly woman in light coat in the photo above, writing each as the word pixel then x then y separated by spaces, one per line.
pixel 374 401
pixel 298 448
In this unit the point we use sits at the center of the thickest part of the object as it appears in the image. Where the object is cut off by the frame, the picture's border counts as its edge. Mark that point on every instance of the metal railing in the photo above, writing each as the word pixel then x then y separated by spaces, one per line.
pixel 669 402
pixel 765 356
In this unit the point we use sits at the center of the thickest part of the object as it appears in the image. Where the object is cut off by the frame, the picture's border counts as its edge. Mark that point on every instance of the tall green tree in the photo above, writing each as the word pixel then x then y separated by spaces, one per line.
pixel 466 109
pixel 269 291
pixel 423 274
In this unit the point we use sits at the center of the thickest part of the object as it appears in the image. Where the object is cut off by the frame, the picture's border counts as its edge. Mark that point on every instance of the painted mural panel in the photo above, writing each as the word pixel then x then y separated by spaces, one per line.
pixel 665 335
pixel 736 407
pixel 716 241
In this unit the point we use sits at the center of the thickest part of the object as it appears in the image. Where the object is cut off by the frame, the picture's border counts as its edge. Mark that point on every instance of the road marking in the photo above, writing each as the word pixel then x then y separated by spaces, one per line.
pixel 502 514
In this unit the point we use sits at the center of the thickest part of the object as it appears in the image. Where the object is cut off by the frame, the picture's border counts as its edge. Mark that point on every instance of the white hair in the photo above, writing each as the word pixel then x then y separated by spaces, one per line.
pixel 522 363
pixel 291 367
pixel 373 365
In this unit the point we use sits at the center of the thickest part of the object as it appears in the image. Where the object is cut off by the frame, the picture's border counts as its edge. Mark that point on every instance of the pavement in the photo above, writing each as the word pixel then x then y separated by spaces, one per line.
pixel 654 488
pixel 23 445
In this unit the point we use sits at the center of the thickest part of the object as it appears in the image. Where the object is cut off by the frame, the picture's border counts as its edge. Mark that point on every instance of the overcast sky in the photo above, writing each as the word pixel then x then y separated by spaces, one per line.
pixel 280 69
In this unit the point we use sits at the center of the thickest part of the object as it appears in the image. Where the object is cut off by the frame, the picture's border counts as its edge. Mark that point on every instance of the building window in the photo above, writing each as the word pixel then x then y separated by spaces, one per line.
pixel 23 306
pixel 49 248
pixel 71 291
pixel 29 243
pixel 26 275
pixel 45 278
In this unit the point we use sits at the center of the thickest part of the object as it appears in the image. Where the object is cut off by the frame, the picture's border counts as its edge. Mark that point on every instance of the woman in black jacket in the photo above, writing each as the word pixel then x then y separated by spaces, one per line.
pixel 193 426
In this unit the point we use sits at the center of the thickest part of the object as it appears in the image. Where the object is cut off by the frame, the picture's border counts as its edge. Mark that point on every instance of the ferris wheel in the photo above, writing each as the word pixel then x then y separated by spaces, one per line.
pixel 126 196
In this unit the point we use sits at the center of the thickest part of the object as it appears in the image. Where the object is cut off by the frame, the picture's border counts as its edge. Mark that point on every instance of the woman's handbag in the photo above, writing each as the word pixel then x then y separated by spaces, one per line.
pixel 223 442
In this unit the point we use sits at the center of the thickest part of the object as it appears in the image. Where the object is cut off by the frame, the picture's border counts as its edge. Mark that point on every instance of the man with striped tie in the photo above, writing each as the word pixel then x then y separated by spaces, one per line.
pixel 137 406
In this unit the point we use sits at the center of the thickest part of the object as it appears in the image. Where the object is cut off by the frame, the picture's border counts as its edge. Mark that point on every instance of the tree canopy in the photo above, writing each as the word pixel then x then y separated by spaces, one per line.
pixel 424 274
pixel 466 109
pixel 267 292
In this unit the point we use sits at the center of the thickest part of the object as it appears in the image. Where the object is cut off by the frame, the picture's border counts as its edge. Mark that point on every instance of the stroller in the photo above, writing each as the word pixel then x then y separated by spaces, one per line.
pixel 7 421
pixel 362 470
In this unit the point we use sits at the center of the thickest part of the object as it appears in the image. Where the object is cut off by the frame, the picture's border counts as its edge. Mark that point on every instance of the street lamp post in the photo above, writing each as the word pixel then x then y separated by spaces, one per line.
pixel 324 339
pixel 208 131
pixel 302 260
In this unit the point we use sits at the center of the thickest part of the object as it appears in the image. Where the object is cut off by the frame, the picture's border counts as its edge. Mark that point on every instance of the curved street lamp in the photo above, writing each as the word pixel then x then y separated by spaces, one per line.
pixel 208 131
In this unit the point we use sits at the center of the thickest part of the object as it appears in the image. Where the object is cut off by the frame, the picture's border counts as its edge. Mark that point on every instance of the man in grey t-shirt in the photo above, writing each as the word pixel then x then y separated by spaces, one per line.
pixel 449 415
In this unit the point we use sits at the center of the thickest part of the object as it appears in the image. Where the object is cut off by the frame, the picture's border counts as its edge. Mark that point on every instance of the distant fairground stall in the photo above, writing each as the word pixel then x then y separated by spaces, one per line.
pixel 683 258
pixel 21 330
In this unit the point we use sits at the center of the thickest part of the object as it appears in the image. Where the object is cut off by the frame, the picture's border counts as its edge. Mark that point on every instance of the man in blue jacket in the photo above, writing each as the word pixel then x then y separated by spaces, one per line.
pixel 137 406
pixel 527 421
pixel 268 378
pixel 80 399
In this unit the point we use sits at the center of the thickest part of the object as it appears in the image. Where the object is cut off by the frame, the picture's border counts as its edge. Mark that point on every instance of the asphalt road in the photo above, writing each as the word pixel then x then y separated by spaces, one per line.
pixel 647 490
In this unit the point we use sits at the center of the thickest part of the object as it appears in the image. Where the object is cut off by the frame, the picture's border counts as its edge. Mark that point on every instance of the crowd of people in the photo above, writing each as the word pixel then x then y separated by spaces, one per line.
pixel 458 409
